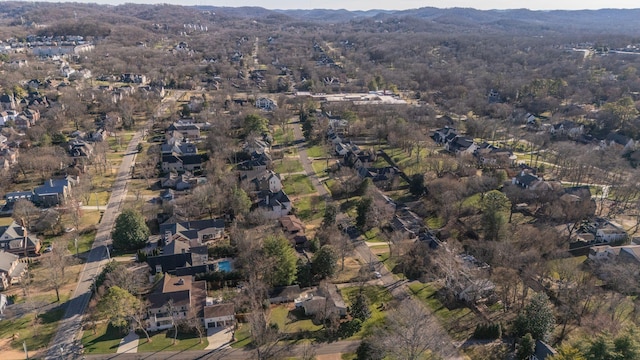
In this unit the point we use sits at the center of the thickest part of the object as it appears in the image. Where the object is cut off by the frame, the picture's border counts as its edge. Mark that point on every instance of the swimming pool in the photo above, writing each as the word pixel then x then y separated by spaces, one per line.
pixel 224 265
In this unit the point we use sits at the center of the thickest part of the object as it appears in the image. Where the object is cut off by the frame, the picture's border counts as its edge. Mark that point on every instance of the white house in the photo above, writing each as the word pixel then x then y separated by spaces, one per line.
pixel 218 315
pixel 610 233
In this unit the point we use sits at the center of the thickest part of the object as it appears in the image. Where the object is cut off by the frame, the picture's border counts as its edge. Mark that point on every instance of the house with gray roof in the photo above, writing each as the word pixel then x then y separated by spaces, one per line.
pixel 16 240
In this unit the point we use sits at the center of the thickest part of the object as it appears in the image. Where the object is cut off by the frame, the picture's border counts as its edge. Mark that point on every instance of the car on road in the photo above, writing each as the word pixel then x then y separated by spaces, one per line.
pixel 377 275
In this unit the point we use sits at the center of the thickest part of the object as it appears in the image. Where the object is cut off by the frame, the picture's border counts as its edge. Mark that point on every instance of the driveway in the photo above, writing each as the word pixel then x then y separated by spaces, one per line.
pixel 219 337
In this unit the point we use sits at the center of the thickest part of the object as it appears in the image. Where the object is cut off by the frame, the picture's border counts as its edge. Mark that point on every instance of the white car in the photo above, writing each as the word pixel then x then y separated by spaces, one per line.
pixel 377 275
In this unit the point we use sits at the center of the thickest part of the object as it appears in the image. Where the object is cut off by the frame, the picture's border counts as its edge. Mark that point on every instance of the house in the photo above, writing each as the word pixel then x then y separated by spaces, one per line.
pixel 275 205
pixel 180 163
pixel 196 232
pixel 7 102
pixel 326 300
pixel 22 122
pixel 16 240
pixel 178 257
pixel 3 303
pixel 407 222
pixel 8 156
pixel 444 135
pixel 218 315
pixel 476 290
pixel 525 179
pixel 284 294
pixel 196 104
pixel 172 299
pixel 173 146
pixel 461 145
pixel 133 78
pixel 490 155
pixel 11 269
pixel 7 115
pixel 630 253
pixel 266 104
pixel 175 297
pixel 54 192
pixel 294 229
pixel 80 148
pixel 610 232
pixel 267 181
pixel 180 182
pixel 567 128
pixel 188 130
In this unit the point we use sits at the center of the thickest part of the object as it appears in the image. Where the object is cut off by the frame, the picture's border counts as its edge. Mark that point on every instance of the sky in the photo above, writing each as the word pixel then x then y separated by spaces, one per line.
pixel 396 4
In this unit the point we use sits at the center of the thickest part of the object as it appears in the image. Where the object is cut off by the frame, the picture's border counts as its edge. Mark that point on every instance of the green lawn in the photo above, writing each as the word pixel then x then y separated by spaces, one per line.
pixel 319 167
pixel 163 341
pixel 287 165
pixel 243 336
pixel 84 242
pixel 292 321
pixel 378 297
pixel 306 210
pixel 35 336
pixel 459 322
pixel 295 185
pixel 316 151
pixel 373 235
pixel 105 340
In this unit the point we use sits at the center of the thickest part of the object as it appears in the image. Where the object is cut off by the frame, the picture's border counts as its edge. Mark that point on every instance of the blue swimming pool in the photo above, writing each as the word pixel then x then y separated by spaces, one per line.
pixel 224 265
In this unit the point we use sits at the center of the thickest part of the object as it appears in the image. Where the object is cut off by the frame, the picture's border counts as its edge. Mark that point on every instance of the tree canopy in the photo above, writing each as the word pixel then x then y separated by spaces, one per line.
pixel 283 259
pixel 537 318
pixel 130 231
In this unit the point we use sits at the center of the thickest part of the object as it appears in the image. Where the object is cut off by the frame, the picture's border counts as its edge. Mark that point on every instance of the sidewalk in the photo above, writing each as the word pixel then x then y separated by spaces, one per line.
pixel 129 345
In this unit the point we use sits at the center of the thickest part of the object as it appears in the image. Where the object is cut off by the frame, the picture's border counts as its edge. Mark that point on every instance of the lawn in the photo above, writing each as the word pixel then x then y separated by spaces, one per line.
pixel 243 336
pixel 292 321
pixel 378 297
pixel 319 167
pixel 163 341
pixel 316 151
pixel 459 322
pixel 309 208
pixel 298 184
pixel 105 339
pixel 35 336
pixel 84 242
pixel 373 235
pixel 287 165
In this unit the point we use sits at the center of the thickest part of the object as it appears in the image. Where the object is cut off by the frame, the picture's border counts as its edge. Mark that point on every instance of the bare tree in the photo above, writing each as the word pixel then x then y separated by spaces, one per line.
pixel 409 332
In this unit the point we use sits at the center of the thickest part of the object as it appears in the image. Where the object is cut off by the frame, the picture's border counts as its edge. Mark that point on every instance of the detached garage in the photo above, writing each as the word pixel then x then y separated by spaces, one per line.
pixel 219 315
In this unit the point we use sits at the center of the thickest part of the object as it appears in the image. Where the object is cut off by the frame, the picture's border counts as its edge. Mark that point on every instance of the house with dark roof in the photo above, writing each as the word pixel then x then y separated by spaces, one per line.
pixel 54 192
pixel 266 104
pixel 274 205
pixel 444 135
pixel 7 102
pixel 180 163
pixel 196 232
pixel 16 240
pixel 178 257
pixel 461 145
pixel 284 294
pixel 525 179
pixel 326 300
pixel 188 130
pixel 80 148
pixel 218 315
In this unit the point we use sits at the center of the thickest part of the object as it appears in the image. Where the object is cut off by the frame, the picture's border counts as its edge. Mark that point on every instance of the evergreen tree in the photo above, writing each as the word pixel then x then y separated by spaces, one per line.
pixel 130 231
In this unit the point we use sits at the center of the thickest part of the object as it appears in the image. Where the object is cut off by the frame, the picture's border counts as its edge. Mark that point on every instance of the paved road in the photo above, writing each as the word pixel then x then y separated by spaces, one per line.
pixel 398 288
pixel 66 342
pixel 339 347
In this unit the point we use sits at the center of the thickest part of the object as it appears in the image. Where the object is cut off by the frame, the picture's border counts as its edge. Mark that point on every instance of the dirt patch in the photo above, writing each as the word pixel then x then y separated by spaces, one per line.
pixel 9 353
pixel 329 357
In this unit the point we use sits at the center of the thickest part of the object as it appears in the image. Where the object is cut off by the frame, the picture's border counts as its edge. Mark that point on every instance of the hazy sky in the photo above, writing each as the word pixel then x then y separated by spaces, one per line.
pixel 396 4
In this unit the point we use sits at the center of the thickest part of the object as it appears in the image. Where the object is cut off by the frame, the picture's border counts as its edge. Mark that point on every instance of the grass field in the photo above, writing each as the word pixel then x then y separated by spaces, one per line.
pixel 287 165
pixel 291 321
pixel 35 335
pixel 378 297
pixel 295 185
pixel 316 151
pixel 459 322
pixel 309 208
pixel 105 340
pixel 163 341
pixel 243 336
